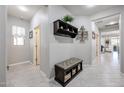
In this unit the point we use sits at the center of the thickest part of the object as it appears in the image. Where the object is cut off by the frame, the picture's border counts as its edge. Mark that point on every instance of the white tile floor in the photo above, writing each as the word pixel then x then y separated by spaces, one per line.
pixel 103 73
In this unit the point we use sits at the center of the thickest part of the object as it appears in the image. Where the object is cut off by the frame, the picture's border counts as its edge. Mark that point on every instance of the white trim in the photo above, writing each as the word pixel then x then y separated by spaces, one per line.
pixel 20 63
pixel 44 75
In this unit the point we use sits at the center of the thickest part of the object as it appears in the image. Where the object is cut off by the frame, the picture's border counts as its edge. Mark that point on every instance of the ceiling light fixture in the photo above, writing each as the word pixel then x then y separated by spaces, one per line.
pixel 23 8
pixel 112 23
pixel 90 6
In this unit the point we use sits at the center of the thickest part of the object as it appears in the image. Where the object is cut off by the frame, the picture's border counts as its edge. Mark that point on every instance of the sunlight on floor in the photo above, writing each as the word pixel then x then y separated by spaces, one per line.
pixel 110 58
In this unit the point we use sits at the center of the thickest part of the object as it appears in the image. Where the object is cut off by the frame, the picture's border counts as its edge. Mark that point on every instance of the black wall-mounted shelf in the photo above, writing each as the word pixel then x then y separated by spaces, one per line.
pixel 64 29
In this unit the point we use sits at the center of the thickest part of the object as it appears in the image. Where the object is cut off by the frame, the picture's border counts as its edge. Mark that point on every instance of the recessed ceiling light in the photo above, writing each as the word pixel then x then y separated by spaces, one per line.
pixel 112 23
pixel 23 8
pixel 90 6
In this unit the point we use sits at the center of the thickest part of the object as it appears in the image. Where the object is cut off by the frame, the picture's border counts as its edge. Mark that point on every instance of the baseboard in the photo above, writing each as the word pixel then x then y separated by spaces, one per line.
pixel 2 84
pixel 51 79
pixel 20 63
pixel 44 75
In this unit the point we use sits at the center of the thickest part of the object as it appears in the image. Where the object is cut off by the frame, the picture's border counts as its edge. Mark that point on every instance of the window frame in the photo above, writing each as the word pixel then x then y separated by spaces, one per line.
pixel 17 36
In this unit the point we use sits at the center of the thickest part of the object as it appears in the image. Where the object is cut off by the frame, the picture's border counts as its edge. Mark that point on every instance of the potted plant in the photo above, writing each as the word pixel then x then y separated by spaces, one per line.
pixel 68 19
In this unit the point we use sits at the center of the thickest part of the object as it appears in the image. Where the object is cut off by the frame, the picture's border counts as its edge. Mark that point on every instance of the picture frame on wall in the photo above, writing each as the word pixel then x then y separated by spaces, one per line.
pixel 93 35
pixel 30 34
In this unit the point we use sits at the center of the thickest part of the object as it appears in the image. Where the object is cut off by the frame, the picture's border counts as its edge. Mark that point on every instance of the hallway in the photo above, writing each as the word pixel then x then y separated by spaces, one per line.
pixel 103 74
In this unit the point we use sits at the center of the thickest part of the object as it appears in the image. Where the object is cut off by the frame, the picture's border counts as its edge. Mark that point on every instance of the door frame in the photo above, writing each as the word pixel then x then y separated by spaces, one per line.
pixel 120 30
pixel 34 46
pixel 119 14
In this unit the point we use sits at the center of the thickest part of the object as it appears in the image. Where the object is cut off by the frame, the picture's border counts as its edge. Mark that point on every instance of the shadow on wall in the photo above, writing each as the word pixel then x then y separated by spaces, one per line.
pixel 61 39
pixel 52 74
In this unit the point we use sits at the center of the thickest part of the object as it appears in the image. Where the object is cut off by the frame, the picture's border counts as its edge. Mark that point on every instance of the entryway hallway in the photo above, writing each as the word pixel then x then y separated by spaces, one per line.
pixel 104 73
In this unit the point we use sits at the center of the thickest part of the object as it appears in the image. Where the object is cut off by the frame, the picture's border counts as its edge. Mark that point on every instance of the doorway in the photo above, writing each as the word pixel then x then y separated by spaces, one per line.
pixel 109 40
pixel 97 44
pixel 37 46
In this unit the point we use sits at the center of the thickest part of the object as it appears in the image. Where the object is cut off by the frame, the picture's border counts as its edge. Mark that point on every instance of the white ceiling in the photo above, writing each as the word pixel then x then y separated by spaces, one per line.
pixel 13 10
pixel 83 10
pixel 110 33
pixel 104 24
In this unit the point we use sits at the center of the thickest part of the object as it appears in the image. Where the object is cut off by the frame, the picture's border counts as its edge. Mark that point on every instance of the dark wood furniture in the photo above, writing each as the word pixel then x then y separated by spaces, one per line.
pixel 64 29
pixel 67 70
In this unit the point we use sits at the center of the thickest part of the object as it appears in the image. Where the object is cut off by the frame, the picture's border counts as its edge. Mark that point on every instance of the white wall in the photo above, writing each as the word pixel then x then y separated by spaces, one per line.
pixel 121 40
pixel 83 50
pixel 17 54
pixel 3 18
pixel 59 48
pixel 62 48
pixel 41 19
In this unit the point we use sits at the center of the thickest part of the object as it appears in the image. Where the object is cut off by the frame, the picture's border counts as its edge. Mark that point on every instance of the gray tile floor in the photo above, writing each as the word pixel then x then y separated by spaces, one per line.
pixel 104 72
pixel 26 75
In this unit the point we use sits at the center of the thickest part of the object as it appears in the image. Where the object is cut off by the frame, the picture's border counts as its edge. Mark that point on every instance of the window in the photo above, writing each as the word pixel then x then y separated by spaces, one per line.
pixel 18 34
